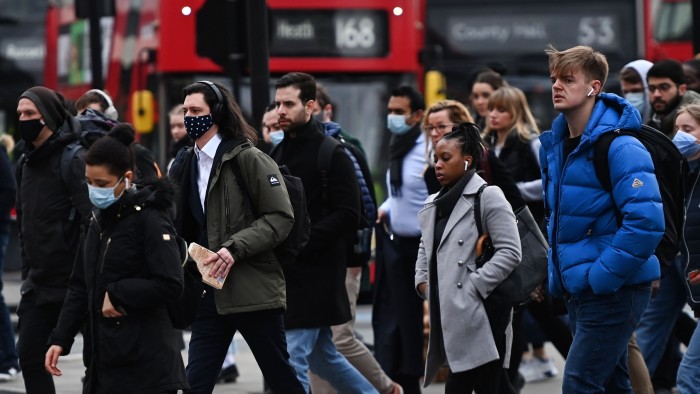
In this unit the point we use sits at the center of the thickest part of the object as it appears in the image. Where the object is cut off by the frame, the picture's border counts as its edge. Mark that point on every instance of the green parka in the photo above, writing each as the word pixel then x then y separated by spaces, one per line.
pixel 256 281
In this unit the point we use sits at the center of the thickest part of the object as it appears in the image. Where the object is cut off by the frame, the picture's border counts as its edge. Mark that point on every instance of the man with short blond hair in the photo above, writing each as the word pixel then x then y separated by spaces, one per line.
pixel 603 271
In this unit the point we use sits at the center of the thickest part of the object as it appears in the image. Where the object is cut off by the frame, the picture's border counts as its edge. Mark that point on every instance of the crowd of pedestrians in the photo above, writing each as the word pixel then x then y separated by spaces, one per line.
pixel 103 252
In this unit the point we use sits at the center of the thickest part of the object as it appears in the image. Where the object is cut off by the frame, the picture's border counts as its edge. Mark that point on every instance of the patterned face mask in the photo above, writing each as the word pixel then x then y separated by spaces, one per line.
pixel 196 126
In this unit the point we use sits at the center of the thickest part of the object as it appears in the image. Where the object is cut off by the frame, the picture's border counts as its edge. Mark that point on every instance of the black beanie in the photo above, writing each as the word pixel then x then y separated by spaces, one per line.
pixel 49 104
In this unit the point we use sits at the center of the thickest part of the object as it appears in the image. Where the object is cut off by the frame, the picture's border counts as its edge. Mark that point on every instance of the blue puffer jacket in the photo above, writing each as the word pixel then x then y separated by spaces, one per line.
pixel 587 247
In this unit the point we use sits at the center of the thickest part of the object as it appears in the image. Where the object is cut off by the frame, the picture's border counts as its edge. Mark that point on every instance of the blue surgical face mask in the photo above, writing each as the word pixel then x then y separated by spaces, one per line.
pixel 397 124
pixel 196 126
pixel 276 136
pixel 103 197
pixel 637 99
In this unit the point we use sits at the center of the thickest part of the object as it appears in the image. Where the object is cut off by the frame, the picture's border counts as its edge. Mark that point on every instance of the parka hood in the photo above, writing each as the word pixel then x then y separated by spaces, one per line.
pixel 158 194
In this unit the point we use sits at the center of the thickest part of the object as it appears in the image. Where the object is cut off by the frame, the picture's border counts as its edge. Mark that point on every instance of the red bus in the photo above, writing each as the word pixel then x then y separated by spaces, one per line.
pixel 359 49
pixel 464 36
pixel 668 31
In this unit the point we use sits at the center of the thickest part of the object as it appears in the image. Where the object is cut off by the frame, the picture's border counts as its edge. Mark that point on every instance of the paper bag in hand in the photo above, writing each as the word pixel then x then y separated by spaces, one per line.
pixel 199 253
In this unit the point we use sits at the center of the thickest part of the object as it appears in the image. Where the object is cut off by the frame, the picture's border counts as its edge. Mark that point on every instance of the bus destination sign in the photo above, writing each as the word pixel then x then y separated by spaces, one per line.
pixel 328 33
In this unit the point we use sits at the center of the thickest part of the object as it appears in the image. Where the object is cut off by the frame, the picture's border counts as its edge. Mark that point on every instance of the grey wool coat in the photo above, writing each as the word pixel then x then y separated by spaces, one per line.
pixel 465 330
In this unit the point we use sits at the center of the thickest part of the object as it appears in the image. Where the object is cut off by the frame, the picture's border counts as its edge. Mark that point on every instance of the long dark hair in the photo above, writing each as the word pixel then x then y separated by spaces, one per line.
pixel 230 117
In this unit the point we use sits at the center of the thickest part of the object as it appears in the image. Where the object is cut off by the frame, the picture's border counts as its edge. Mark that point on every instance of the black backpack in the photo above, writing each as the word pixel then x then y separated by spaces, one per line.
pixel 362 248
pixel 671 170
pixel 287 251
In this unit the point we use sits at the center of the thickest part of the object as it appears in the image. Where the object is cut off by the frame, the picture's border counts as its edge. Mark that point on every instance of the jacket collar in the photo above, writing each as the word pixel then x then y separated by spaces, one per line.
pixel 611 112
pixel 461 209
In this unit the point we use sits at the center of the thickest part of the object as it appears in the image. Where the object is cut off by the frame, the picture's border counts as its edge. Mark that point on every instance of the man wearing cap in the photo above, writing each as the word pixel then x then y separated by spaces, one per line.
pixel 50 213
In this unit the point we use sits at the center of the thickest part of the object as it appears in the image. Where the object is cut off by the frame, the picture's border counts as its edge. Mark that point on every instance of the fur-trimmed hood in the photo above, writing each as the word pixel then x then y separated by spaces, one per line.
pixel 158 193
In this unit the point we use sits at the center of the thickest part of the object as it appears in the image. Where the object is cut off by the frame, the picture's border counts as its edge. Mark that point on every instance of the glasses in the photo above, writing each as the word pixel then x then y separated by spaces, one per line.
pixel 441 127
pixel 664 87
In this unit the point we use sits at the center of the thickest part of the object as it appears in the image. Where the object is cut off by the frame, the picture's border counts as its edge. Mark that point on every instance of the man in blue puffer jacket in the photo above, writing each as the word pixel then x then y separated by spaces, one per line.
pixel 604 271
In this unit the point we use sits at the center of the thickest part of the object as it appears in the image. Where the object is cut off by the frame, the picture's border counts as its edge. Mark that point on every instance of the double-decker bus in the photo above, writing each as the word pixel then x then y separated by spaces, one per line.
pixel 511 35
pixel 358 49
pixel 668 29
pixel 21 54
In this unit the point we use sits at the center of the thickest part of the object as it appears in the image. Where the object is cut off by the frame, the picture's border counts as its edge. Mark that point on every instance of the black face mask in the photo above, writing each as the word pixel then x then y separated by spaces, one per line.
pixel 29 129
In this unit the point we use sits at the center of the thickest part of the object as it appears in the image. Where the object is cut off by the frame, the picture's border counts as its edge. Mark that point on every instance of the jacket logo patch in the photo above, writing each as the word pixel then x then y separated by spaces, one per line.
pixel 637 183
pixel 274 181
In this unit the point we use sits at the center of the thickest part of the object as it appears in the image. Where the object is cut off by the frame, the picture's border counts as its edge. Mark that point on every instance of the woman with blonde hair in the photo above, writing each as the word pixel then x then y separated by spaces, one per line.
pixel 512 134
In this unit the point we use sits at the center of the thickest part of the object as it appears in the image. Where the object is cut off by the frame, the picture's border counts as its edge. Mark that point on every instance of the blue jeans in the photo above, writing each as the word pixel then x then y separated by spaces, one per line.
pixel 602 326
pixel 313 348
pixel 689 372
pixel 658 320
pixel 8 352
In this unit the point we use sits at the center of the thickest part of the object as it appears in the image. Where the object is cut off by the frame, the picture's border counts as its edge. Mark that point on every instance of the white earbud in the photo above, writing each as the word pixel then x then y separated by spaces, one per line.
pixel 590 93
pixel 466 165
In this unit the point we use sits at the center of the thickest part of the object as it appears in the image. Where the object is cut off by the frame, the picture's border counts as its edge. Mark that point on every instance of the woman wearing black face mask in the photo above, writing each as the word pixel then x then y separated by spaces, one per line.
pixel 469 326
pixel 127 270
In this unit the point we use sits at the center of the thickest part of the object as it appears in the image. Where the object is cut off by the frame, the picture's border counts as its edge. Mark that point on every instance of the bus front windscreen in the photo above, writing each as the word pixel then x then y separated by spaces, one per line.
pixel 673 21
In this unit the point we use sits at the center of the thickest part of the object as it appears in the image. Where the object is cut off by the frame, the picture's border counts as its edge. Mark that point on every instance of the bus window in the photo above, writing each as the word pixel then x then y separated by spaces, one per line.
pixel 673 21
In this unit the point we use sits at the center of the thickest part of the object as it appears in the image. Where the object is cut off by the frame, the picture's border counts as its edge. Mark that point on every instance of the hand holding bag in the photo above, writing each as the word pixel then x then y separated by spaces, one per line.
pixel 532 269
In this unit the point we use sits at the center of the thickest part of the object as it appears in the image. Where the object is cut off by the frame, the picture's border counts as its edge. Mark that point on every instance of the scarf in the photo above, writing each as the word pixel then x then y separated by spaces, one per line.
pixel 448 196
pixel 399 147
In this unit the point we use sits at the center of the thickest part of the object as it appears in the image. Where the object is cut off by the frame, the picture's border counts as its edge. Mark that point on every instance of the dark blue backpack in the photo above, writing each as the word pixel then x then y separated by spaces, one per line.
pixel 362 246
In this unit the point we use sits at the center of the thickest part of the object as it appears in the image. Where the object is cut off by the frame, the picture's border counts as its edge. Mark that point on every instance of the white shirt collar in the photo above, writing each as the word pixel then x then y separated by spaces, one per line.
pixel 210 148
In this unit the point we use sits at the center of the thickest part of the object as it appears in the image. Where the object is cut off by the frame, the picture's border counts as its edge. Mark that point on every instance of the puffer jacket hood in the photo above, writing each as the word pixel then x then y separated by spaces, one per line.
pixel 611 112
pixel 332 129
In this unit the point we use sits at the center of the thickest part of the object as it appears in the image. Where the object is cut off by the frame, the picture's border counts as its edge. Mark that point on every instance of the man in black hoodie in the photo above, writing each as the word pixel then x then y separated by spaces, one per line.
pixel 51 212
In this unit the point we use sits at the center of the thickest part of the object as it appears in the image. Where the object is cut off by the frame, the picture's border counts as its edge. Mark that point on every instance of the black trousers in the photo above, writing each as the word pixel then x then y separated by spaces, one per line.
pixel 35 325
pixel 490 378
pixel 485 379
pixel 263 331
pixel 397 313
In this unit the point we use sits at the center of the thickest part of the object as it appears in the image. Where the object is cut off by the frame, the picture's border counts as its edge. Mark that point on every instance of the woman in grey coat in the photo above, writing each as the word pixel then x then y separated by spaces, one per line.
pixel 470 327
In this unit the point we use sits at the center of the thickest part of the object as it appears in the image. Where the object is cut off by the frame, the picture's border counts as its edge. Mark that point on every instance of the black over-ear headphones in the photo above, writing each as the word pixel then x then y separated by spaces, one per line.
pixel 219 106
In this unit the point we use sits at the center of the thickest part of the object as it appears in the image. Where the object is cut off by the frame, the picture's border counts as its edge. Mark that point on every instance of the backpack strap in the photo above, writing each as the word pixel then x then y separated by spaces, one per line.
pixel 601 163
pixel 325 157
pixel 243 186
pixel 477 209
